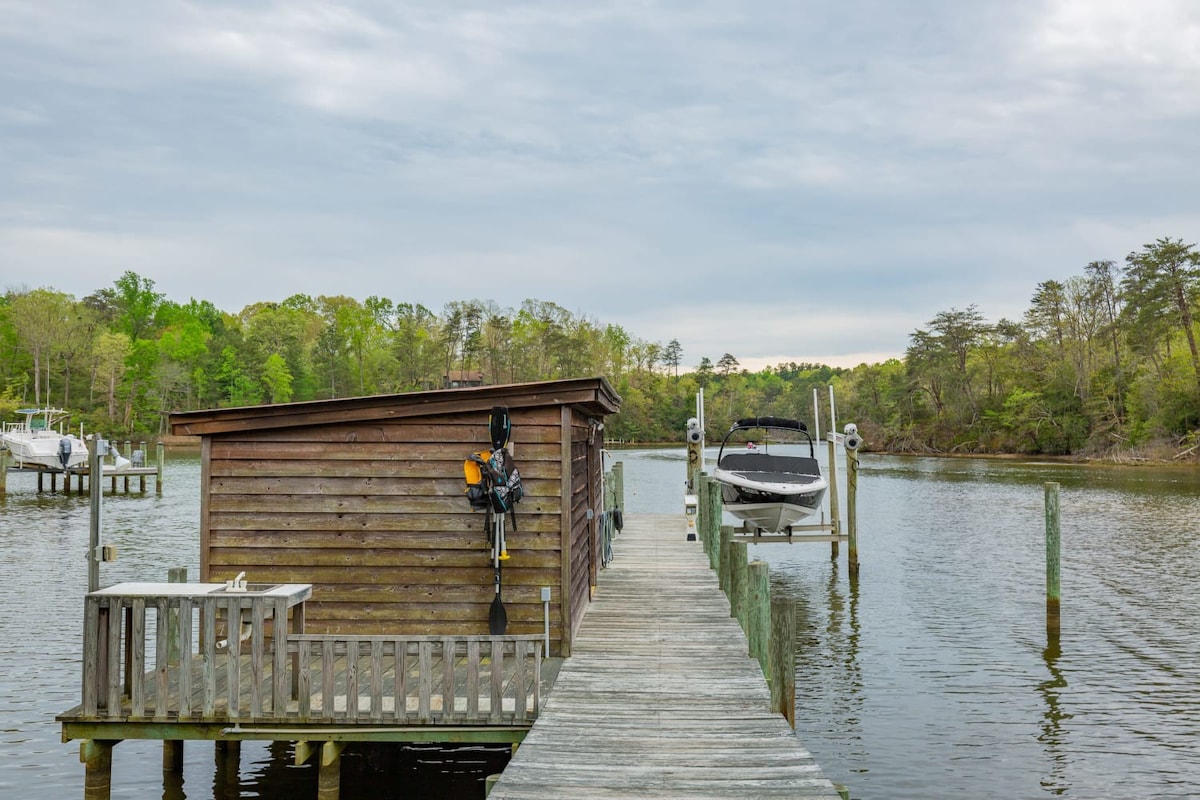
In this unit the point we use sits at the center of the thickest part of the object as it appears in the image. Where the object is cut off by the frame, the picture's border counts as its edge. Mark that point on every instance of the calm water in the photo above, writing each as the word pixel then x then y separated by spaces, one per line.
pixel 931 676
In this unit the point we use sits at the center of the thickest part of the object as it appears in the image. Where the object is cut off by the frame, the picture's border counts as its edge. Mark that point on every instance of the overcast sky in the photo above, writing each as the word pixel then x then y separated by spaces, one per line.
pixel 781 181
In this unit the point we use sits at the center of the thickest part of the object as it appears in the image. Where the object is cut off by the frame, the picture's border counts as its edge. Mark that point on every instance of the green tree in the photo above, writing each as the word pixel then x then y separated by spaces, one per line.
pixel 672 355
pixel 135 302
pixel 40 318
pixel 1161 281
pixel 277 378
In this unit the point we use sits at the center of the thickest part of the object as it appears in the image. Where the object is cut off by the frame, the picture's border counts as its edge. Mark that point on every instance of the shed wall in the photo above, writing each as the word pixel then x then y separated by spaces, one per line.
pixel 374 515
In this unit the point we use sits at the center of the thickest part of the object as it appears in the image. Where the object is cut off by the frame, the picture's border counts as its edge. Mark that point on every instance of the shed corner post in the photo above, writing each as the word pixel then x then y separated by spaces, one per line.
pixel 205 486
pixel 566 599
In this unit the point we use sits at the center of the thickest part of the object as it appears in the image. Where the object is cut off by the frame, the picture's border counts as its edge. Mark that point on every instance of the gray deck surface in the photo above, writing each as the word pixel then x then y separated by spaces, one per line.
pixel 659 697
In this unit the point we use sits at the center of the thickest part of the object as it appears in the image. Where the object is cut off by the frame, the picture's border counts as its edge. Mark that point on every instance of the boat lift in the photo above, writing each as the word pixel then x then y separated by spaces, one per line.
pixel 831 531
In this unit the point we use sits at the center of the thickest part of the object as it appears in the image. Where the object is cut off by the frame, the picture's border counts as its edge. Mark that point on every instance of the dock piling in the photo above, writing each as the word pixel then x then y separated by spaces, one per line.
pixel 96 755
pixel 737 582
pixel 714 523
pixel 852 509
pixel 158 478
pixel 726 541
pixel 782 650
pixel 329 778
pixel 834 521
pixel 758 611
pixel 1053 592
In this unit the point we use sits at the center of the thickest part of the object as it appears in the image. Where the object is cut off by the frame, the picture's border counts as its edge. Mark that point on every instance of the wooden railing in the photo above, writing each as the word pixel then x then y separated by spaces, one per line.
pixel 418 680
pixel 158 657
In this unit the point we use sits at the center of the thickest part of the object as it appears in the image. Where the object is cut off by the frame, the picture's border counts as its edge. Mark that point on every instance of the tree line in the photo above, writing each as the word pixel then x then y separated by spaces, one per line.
pixel 1102 363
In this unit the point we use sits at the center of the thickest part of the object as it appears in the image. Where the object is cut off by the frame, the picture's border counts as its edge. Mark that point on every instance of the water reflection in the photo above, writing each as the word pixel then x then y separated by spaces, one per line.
pixel 1053 736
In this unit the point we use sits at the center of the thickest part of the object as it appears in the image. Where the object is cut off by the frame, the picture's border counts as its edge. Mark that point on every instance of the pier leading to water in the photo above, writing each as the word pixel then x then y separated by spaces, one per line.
pixel 660 697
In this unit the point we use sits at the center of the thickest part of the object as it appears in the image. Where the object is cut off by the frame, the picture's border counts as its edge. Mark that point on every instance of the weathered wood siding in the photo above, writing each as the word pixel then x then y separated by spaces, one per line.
pixel 364 498
pixel 583 530
pixel 374 515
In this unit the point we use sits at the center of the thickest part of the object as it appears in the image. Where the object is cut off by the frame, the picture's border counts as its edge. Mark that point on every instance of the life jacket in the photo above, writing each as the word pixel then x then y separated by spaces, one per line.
pixel 474 471
pixel 493 482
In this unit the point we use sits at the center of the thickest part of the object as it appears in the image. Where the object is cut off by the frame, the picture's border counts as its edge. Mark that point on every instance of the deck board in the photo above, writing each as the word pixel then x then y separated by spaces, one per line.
pixel 659 697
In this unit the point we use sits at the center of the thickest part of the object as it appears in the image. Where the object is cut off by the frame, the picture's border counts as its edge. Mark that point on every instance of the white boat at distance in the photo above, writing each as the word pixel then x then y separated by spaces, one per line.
pixel 34 441
pixel 769 492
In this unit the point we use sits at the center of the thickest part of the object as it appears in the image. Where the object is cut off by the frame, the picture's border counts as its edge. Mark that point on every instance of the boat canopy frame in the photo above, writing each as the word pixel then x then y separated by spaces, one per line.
pixel 768 423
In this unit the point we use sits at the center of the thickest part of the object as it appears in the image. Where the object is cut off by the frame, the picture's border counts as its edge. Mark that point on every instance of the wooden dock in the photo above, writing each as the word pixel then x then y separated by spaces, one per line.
pixel 82 474
pixel 180 661
pixel 659 697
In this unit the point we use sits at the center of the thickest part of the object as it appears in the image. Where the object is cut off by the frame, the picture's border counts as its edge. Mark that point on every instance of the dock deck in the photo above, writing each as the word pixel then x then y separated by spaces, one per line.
pixel 660 697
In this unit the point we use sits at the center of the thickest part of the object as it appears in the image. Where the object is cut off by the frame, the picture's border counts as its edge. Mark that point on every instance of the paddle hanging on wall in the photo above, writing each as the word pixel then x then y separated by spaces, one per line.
pixel 494 487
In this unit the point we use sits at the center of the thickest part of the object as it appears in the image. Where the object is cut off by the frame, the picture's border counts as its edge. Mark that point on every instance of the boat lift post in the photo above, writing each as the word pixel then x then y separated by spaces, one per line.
pixel 96 552
pixel 695 468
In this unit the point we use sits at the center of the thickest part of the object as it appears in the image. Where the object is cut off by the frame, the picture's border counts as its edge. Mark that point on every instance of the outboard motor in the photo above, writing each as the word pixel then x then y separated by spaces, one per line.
pixel 64 451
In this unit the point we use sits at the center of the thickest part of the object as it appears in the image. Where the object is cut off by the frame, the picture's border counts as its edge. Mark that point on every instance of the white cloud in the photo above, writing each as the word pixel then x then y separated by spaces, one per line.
pixel 800 178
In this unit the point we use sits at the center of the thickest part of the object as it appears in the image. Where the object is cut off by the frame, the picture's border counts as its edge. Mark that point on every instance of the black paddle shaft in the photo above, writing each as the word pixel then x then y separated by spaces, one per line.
pixel 497 616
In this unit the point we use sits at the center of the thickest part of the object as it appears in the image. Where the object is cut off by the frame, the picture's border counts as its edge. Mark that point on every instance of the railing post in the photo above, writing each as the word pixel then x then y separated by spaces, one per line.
pixel 174 575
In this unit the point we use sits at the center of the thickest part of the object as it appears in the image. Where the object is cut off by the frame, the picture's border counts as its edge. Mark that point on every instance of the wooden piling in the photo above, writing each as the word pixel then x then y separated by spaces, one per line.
pixel 96 755
pixel 173 748
pixel 705 516
pixel 852 509
pixel 95 488
pixel 158 478
pixel 3 470
pixel 618 471
pixel 329 779
pixel 758 617
pixel 228 755
pixel 723 558
pixel 737 582
pixel 714 523
pixel 782 654
pixel 693 467
pixel 1053 594
pixel 834 521
pixel 172 760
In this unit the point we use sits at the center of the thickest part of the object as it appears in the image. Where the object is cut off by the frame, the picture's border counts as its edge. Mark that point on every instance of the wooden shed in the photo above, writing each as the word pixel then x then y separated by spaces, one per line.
pixel 365 499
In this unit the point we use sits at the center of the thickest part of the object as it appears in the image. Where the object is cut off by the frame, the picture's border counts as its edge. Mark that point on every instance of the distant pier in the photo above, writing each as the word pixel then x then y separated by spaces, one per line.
pixel 82 474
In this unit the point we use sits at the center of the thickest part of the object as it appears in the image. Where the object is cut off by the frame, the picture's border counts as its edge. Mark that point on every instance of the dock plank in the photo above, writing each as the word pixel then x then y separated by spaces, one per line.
pixel 660 697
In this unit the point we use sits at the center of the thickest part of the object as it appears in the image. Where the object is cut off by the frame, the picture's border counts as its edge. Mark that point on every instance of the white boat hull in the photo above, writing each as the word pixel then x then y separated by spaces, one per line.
pixel 770 517
pixel 41 448
pixel 34 442
pixel 771 504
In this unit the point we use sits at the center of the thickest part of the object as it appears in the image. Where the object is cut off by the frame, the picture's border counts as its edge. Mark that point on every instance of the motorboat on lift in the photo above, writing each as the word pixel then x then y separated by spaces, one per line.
pixel 770 492
pixel 35 441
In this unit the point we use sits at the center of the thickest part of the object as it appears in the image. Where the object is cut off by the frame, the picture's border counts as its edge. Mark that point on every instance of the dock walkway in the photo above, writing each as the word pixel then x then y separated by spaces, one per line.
pixel 659 697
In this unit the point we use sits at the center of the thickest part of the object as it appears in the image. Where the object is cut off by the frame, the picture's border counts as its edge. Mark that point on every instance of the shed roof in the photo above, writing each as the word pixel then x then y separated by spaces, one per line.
pixel 592 395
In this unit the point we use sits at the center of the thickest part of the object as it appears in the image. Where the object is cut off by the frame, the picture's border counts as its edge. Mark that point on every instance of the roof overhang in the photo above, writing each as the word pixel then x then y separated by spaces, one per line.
pixel 594 396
